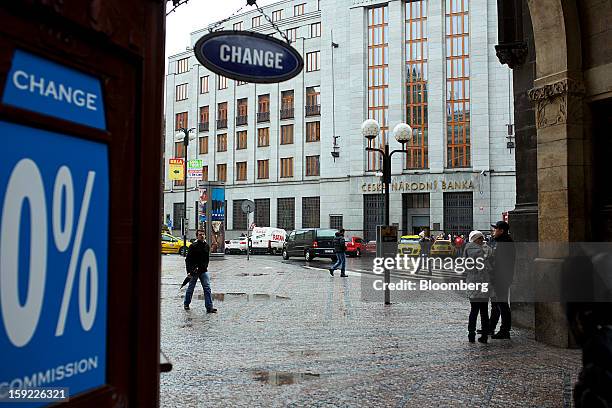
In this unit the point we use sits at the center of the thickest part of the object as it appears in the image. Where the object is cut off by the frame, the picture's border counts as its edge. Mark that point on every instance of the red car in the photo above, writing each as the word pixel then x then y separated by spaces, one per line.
pixel 355 246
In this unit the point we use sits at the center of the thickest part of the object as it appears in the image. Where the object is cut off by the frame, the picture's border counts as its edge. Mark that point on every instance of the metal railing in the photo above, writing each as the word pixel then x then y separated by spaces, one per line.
pixel 221 123
pixel 313 110
pixel 263 117
pixel 286 113
pixel 241 120
pixel 203 127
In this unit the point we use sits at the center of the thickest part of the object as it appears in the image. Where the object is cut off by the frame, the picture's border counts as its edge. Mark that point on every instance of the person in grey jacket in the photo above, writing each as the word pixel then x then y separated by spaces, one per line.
pixel 479 298
pixel 340 252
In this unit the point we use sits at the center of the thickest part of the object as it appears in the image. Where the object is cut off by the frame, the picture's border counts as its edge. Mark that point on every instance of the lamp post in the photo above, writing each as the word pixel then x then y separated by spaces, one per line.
pixel 185 132
pixel 403 133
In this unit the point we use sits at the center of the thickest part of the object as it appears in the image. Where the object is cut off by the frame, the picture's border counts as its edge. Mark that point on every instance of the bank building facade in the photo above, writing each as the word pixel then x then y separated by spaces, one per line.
pixel 296 149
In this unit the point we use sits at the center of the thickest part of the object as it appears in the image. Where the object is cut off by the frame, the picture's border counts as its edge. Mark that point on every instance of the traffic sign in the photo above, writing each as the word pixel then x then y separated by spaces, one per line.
pixel 248 56
pixel 54 198
pixel 247 206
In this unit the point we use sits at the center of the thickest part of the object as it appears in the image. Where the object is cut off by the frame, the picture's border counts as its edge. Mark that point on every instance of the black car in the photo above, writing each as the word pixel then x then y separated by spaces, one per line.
pixel 310 243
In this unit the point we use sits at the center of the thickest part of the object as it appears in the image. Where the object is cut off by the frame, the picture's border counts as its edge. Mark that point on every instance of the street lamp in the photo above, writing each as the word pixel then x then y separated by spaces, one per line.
pixel 403 133
pixel 185 132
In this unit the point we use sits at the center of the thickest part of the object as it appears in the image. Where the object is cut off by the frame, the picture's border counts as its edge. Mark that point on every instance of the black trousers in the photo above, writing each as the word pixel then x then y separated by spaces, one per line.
pixel 501 309
pixel 482 308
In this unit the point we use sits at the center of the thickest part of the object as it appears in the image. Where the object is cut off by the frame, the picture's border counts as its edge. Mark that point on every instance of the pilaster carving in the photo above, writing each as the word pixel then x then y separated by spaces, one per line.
pixel 513 54
pixel 558 103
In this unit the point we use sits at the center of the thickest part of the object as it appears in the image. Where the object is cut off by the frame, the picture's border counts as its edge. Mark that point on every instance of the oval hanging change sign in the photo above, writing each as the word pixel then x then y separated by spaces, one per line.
pixel 248 56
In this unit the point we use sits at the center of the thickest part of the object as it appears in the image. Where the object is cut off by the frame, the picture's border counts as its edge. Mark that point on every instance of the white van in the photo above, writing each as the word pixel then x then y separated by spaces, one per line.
pixel 267 240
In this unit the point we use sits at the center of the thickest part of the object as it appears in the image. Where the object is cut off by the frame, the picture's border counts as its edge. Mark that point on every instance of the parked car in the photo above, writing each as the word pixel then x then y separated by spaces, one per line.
pixel 370 248
pixel 267 240
pixel 355 246
pixel 172 245
pixel 409 245
pixel 442 247
pixel 310 243
pixel 236 246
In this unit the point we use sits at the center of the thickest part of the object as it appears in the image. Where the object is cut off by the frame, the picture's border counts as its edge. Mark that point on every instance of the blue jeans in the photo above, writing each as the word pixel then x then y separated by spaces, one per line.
pixel 205 280
pixel 340 262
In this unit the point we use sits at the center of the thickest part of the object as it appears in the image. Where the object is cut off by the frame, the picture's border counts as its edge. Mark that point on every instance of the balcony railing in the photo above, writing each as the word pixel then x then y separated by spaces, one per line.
pixel 221 123
pixel 313 110
pixel 203 127
pixel 286 113
pixel 241 120
pixel 263 117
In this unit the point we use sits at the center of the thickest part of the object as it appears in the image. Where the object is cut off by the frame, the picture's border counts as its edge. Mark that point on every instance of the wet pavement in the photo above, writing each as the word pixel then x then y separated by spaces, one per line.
pixel 288 334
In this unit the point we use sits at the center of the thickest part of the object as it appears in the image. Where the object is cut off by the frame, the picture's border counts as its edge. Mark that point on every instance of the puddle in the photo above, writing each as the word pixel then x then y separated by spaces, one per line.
pixel 304 353
pixel 251 274
pixel 283 377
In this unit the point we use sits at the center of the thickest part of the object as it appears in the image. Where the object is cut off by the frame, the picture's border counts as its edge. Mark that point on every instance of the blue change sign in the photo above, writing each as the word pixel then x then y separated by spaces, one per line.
pixel 54 213
pixel 42 86
pixel 248 56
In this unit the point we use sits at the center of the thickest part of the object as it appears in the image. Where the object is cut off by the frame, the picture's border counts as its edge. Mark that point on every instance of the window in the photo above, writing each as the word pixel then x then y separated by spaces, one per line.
pixel 182 65
pixel 458 146
pixel 262 212
pixel 285 213
pixel 313 131
pixel 240 83
pixel 239 217
pixel 203 145
pixel 243 108
pixel 181 120
pixel 313 61
pixel 277 15
pixel 263 108
pixel 416 83
pixel 256 21
pixel 292 34
pixel 238 26
pixel 181 92
pixel 311 212
pixel 241 171
pixel 204 84
pixel 313 101
pixel 286 105
pixel 378 78
pixel 312 165
pixel 263 137
pixel 286 167
pixel 203 124
pixel 298 10
pixel 221 172
pixel 179 214
pixel 241 140
pixel 335 222
pixel 315 30
pixel 205 173
pixel 222 142
pixel 222 115
pixel 286 134
pixel 179 149
pixel 222 82
pixel 263 169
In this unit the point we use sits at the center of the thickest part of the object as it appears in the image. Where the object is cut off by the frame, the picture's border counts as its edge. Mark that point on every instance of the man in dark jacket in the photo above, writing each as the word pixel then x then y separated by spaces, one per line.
pixel 502 276
pixel 197 267
pixel 340 250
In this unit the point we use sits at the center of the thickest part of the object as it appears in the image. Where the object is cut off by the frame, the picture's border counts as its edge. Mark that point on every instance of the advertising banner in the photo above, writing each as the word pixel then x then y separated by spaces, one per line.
pixel 194 169
pixel 175 169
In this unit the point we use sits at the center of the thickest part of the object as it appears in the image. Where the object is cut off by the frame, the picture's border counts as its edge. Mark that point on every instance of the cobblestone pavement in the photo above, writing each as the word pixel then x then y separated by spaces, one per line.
pixel 287 335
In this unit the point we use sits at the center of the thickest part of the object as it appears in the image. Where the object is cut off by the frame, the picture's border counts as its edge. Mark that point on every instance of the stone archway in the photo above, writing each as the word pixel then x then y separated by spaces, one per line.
pixel 563 151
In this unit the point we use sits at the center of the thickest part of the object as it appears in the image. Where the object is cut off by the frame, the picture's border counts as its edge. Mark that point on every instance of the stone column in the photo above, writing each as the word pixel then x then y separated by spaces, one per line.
pixel 563 169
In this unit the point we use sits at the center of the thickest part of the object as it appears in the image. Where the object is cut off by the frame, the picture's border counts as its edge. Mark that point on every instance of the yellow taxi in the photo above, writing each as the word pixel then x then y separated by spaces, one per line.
pixel 442 247
pixel 172 245
pixel 409 245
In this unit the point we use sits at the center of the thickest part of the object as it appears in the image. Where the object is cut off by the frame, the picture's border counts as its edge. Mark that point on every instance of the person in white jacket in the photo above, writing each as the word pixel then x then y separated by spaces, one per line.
pixel 479 298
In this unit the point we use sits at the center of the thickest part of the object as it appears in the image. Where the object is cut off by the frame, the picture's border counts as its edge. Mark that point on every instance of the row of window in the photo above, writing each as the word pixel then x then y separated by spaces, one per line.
pixel 277 15
pixel 313 108
pixel 313 63
pixel 285 214
pixel 313 166
pixel 313 134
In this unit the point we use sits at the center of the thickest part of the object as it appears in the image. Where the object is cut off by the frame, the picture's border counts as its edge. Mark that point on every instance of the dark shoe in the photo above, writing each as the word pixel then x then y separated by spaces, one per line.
pixel 212 310
pixel 501 335
pixel 186 307
pixel 472 337
pixel 490 333
pixel 343 275
pixel 483 339
pixel 331 271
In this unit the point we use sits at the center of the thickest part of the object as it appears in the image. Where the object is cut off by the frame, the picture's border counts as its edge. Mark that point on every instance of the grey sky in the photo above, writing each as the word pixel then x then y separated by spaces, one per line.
pixel 198 14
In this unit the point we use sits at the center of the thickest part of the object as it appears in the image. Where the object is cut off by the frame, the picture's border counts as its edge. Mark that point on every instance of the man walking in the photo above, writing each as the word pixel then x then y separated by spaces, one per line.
pixel 340 250
pixel 197 268
pixel 503 274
